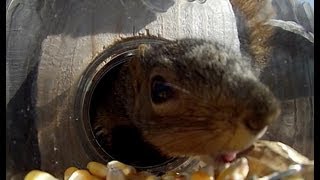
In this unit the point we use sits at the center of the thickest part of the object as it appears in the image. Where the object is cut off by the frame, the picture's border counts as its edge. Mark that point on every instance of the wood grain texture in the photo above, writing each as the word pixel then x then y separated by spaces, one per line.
pixel 295 126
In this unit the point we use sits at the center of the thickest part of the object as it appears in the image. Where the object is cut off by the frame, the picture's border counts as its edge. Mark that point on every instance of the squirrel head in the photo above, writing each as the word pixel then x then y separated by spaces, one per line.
pixel 195 97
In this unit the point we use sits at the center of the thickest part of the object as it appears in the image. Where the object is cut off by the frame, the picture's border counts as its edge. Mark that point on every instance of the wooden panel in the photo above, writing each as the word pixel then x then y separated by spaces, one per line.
pixel 290 72
pixel 295 126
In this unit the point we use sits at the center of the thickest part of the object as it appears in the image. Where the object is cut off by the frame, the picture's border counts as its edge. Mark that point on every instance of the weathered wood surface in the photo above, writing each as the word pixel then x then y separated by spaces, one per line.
pixel 295 126
pixel 290 75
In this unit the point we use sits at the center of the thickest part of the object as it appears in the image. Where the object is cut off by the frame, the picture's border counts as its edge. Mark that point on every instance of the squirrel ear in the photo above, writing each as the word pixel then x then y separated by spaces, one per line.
pixel 135 70
pixel 142 50
pixel 135 66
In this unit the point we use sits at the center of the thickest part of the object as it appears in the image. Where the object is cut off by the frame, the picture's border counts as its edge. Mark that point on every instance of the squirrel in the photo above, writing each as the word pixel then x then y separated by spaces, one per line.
pixel 189 97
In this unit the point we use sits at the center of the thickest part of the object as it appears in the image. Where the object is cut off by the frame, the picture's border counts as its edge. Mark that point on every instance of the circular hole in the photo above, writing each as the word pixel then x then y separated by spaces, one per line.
pixel 127 144
pixel 123 137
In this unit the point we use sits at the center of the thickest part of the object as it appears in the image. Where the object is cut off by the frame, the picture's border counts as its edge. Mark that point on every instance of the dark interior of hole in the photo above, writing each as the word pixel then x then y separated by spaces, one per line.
pixel 128 146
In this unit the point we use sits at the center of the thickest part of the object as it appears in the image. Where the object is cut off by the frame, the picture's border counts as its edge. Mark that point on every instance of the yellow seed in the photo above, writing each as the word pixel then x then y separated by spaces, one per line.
pixel 181 177
pixel 126 169
pixel 68 172
pixel 237 170
pixel 200 175
pixel 39 175
pixel 97 178
pixel 81 175
pixel 169 176
pixel 152 177
pixel 116 164
pixel 97 169
pixel 115 174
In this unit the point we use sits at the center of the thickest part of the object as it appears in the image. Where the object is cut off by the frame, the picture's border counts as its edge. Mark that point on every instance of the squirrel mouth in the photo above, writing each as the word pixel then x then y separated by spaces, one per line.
pixel 226 157
pixel 229 157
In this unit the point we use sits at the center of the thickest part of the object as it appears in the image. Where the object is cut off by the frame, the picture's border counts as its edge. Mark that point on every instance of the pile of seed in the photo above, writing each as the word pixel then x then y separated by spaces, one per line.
pixel 116 170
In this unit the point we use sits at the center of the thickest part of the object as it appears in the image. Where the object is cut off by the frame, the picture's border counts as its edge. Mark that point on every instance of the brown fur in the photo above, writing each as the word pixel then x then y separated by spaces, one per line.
pixel 218 104
pixel 256 14
pixel 218 107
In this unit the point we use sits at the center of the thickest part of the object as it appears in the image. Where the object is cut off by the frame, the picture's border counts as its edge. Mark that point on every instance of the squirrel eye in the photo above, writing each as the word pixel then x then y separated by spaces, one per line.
pixel 160 90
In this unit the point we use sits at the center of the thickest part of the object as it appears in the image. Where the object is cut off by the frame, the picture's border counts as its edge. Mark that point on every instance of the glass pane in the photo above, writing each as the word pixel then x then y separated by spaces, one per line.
pixel 51 44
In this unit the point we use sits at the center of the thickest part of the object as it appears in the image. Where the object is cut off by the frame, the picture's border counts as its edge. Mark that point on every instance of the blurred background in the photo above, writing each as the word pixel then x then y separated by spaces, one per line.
pixel 311 2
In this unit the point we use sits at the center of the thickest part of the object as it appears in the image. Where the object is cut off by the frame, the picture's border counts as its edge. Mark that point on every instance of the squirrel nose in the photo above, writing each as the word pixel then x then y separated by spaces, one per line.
pixel 263 110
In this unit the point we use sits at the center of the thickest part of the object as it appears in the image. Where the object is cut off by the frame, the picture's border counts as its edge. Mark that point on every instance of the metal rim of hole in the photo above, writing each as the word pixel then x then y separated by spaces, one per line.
pixel 108 59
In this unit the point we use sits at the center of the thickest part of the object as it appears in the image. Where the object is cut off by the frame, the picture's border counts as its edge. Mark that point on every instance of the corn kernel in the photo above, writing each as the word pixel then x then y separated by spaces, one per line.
pixel 152 177
pixel 115 174
pixel 181 177
pixel 200 175
pixel 126 169
pixel 209 170
pixel 39 175
pixel 169 176
pixel 97 169
pixel 68 172
pixel 81 175
pixel 116 164
pixel 237 170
